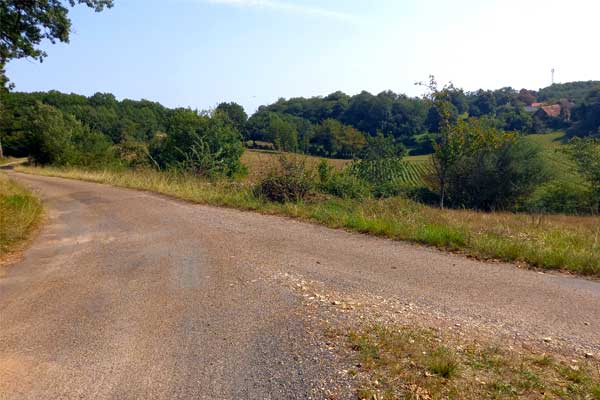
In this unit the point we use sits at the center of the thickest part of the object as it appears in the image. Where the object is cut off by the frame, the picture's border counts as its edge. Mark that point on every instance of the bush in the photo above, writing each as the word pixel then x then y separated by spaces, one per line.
pixel 292 181
pixel 199 144
pixel 345 185
pixel 562 197
pixel 496 177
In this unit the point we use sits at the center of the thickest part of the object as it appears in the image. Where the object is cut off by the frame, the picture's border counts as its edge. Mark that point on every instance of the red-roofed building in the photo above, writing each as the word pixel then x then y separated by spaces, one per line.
pixel 553 110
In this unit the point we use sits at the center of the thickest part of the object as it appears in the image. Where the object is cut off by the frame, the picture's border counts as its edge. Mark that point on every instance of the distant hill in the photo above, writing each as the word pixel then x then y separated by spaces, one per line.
pixel 577 92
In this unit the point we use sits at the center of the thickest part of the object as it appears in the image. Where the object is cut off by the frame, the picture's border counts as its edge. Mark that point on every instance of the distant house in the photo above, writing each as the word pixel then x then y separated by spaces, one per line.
pixel 542 110
pixel 553 110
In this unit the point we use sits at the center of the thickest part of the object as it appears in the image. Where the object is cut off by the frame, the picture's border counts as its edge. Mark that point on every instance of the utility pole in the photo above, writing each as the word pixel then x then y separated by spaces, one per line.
pixel 553 76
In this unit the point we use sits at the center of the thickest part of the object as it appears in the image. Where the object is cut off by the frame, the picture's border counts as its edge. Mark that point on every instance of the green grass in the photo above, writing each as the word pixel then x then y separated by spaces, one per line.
pixel 552 242
pixel 395 362
pixel 20 211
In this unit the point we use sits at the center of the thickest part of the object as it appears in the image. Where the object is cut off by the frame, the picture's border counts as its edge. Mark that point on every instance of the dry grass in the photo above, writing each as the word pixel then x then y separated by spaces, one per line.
pixel 20 211
pixel 397 362
pixel 550 242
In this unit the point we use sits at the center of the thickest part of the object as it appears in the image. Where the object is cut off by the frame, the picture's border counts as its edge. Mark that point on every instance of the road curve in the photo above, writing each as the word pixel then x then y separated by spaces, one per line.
pixel 127 294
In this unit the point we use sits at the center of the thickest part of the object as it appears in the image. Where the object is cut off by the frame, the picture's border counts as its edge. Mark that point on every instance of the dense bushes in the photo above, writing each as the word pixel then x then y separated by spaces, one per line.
pixel 204 145
pixel 52 137
pixel 496 177
pixel 290 181
pixel 562 197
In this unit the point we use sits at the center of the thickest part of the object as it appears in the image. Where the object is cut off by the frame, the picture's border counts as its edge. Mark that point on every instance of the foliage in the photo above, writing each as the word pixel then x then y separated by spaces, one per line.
pixel 199 144
pixel 344 185
pixel 380 147
pixel 334 139
pixel 235 114
pixel 24 24
pixel 499 174
pixel 574 91
pixel 562 197
pixel 52 137
pixel 587 115
pixel 585 153
pixel 292 181
pixel 453 140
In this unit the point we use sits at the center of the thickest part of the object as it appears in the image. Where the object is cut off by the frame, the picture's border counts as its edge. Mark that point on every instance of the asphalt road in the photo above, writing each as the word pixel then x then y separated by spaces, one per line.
pixel 127 294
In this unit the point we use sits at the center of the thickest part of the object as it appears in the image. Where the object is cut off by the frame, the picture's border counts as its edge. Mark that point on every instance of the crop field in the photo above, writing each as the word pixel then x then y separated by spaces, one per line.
pixel 260 162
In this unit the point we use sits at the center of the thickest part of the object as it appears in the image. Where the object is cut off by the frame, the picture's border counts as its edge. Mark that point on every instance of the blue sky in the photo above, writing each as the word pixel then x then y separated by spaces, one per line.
pixel 198 53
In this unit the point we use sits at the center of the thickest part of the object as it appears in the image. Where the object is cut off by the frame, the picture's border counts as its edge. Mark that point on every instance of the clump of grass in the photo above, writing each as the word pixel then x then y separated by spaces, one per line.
pixel 551 242
pixel 19 213
pixel 407 362
pixel 443 363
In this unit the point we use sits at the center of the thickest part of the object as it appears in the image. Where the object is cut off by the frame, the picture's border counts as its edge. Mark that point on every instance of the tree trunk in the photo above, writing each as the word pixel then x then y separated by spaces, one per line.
pixel 1 151
pixel 442 192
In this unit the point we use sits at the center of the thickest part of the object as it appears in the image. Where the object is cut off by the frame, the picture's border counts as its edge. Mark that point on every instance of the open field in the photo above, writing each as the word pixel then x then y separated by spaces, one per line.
pixel 550 242
pixel 20 211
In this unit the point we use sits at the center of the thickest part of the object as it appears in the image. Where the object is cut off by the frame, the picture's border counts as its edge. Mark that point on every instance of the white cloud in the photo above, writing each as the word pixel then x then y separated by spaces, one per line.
pixel 289 7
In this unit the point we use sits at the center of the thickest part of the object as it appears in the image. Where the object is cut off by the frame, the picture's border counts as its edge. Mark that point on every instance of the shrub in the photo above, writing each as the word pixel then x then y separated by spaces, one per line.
pixel 292 181
pixel 562 197
pixel 199 144
pixel 345 185
pixel 496 176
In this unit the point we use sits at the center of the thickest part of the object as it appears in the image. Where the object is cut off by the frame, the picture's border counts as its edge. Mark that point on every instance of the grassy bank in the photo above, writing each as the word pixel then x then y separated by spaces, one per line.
pixel 407 362
pixel 20 212
pixel 550 242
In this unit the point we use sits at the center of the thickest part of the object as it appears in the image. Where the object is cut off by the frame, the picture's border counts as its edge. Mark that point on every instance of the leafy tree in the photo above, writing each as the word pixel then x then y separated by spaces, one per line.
pixel 204 145
pixel 585 153
pixel 587 116
pixel 334 139
pixel 282 133
pixel 451 143
pixel 380 146
pixel 235 113
pixel 498 173
pixel 48 133
pixel 24 24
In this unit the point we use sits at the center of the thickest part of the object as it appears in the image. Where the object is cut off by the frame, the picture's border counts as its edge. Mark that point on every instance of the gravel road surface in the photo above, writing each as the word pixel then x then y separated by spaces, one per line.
pixel 126 294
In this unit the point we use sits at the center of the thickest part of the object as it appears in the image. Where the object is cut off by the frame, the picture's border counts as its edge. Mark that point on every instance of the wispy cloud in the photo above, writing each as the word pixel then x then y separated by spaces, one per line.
pixel 290 7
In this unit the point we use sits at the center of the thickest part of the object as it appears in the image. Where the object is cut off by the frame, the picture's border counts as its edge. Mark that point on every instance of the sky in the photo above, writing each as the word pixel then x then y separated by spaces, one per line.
pixel 198 53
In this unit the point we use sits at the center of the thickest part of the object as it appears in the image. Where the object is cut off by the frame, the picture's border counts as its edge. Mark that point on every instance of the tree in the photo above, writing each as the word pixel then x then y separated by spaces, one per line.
pixel 24 24
pixel 381 146
pixel 450 143
pixel 334 139
pixel 235 113
pixel 498 173
pixel 585 153
pixel 204 145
